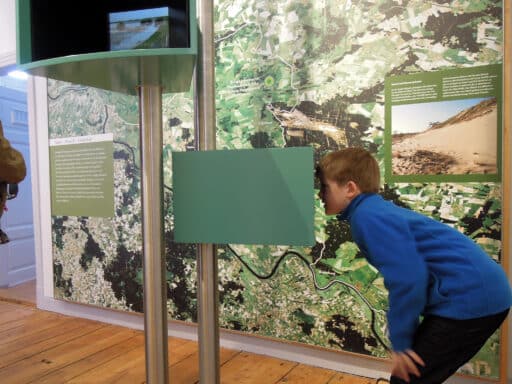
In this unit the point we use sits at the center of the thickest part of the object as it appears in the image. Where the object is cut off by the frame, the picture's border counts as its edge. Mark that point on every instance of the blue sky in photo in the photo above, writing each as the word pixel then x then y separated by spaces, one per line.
pixel 414 118
pixel 115 17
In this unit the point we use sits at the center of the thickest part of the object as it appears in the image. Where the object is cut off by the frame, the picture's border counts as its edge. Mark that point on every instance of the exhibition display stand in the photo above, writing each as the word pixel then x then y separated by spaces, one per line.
pixel 72 41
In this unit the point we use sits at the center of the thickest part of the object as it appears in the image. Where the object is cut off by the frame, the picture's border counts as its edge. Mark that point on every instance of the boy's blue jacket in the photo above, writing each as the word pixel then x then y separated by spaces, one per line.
pixel 428 267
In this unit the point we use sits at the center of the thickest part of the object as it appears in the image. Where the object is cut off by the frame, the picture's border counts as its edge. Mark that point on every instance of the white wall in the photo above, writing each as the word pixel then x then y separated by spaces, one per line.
pixel 7 33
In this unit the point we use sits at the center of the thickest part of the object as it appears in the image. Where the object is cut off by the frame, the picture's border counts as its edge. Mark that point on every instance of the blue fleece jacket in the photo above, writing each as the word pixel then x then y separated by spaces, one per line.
pixel 428 267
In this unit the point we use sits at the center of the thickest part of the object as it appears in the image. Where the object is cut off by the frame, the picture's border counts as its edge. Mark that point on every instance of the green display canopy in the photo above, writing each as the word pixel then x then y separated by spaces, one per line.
pixel 258 196
pixel 106 46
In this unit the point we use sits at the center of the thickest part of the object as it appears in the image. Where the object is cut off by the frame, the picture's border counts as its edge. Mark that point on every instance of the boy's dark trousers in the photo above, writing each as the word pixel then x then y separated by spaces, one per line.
pixel 446 344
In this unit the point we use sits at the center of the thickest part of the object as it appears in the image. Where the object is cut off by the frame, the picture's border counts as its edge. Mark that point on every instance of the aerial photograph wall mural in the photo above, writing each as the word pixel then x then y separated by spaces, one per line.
pixel 288 73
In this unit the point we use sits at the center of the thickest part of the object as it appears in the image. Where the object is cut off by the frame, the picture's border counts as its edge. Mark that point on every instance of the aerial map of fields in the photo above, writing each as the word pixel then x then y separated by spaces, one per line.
pixel 288 73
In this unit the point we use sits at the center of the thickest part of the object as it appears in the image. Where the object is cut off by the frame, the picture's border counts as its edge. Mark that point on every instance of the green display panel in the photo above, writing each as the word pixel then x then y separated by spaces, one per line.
pixel 444 126
pixel 82 176
pixel 260 196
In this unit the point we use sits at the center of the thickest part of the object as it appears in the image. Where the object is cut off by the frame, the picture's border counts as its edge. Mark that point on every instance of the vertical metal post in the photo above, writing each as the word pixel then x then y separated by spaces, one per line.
pixel 155 283
pixel 208 302
pixel 209 360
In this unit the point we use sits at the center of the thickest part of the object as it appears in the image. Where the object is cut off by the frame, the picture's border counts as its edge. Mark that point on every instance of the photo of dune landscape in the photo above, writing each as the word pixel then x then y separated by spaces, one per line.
pixel 457 137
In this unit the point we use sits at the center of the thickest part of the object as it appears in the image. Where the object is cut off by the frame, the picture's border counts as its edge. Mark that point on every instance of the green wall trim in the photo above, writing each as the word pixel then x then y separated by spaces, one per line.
pixel 23 32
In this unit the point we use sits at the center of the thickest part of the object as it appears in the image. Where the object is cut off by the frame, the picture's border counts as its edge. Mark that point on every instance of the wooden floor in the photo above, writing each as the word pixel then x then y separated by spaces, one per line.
pixel 44 347
pixel 21 294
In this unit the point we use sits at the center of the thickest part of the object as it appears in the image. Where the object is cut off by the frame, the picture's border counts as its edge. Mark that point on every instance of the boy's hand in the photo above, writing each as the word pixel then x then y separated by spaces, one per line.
pixel 404 364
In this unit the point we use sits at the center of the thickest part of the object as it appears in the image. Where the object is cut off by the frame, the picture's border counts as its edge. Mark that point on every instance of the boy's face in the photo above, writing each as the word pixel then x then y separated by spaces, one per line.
pixel 337 197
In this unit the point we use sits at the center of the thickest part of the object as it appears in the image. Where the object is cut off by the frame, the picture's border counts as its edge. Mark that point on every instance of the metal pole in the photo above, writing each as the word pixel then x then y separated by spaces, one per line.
pixel 155 283
pixel 209 361
pixel 208 295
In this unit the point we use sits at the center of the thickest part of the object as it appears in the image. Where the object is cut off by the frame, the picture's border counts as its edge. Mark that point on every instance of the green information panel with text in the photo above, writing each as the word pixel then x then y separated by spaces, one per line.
pixel 257 196
pixel 444 126
pixel 82 176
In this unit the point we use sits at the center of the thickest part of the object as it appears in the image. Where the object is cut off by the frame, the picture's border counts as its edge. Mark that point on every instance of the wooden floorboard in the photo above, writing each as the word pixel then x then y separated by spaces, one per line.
pixel 85 366
pixel 29 326
pixel 40 347
pixel 187 370
pixel 248 368
pixel 24 293
pixel 304 374
pixel 50 360
pixel 11 312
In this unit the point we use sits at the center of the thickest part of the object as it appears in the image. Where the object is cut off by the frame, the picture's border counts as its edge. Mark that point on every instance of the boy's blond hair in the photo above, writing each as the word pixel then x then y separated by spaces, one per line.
pixel 351 164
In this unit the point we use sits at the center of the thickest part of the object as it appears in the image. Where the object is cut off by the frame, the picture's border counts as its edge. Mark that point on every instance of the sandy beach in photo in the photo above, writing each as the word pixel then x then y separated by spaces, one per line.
pixel 464 144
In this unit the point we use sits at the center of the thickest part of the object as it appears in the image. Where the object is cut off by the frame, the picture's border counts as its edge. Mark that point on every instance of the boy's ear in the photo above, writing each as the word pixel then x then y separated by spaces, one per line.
pixel 352 189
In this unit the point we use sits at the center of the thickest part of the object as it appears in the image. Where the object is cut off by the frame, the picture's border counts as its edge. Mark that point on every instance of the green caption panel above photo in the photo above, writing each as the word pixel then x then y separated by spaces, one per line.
pixel 257 196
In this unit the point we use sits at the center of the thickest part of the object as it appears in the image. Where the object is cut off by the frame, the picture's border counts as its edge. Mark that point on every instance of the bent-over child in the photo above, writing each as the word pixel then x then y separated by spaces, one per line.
pixel 430 270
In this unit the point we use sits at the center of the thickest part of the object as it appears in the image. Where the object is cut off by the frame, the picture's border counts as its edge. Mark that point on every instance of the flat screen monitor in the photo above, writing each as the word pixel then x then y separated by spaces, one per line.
pixel 139 29
pixel 62 27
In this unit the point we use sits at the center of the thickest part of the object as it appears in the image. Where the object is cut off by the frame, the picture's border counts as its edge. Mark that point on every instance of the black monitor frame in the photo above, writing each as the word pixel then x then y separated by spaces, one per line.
pixel 63 27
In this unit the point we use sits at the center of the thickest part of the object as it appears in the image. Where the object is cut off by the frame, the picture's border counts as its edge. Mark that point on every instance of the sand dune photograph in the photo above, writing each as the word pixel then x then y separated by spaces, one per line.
pixel 456 137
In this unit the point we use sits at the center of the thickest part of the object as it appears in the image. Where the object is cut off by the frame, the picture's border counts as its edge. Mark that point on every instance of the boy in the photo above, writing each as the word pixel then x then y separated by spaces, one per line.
pixel 429 269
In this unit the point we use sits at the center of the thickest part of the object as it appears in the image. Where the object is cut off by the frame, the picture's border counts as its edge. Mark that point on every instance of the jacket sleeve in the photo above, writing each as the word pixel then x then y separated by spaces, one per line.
pixel 389 246
pixel 12 164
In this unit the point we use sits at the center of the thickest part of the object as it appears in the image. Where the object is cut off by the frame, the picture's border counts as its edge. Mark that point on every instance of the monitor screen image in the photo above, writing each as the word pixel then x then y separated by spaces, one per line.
pixel 139 29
